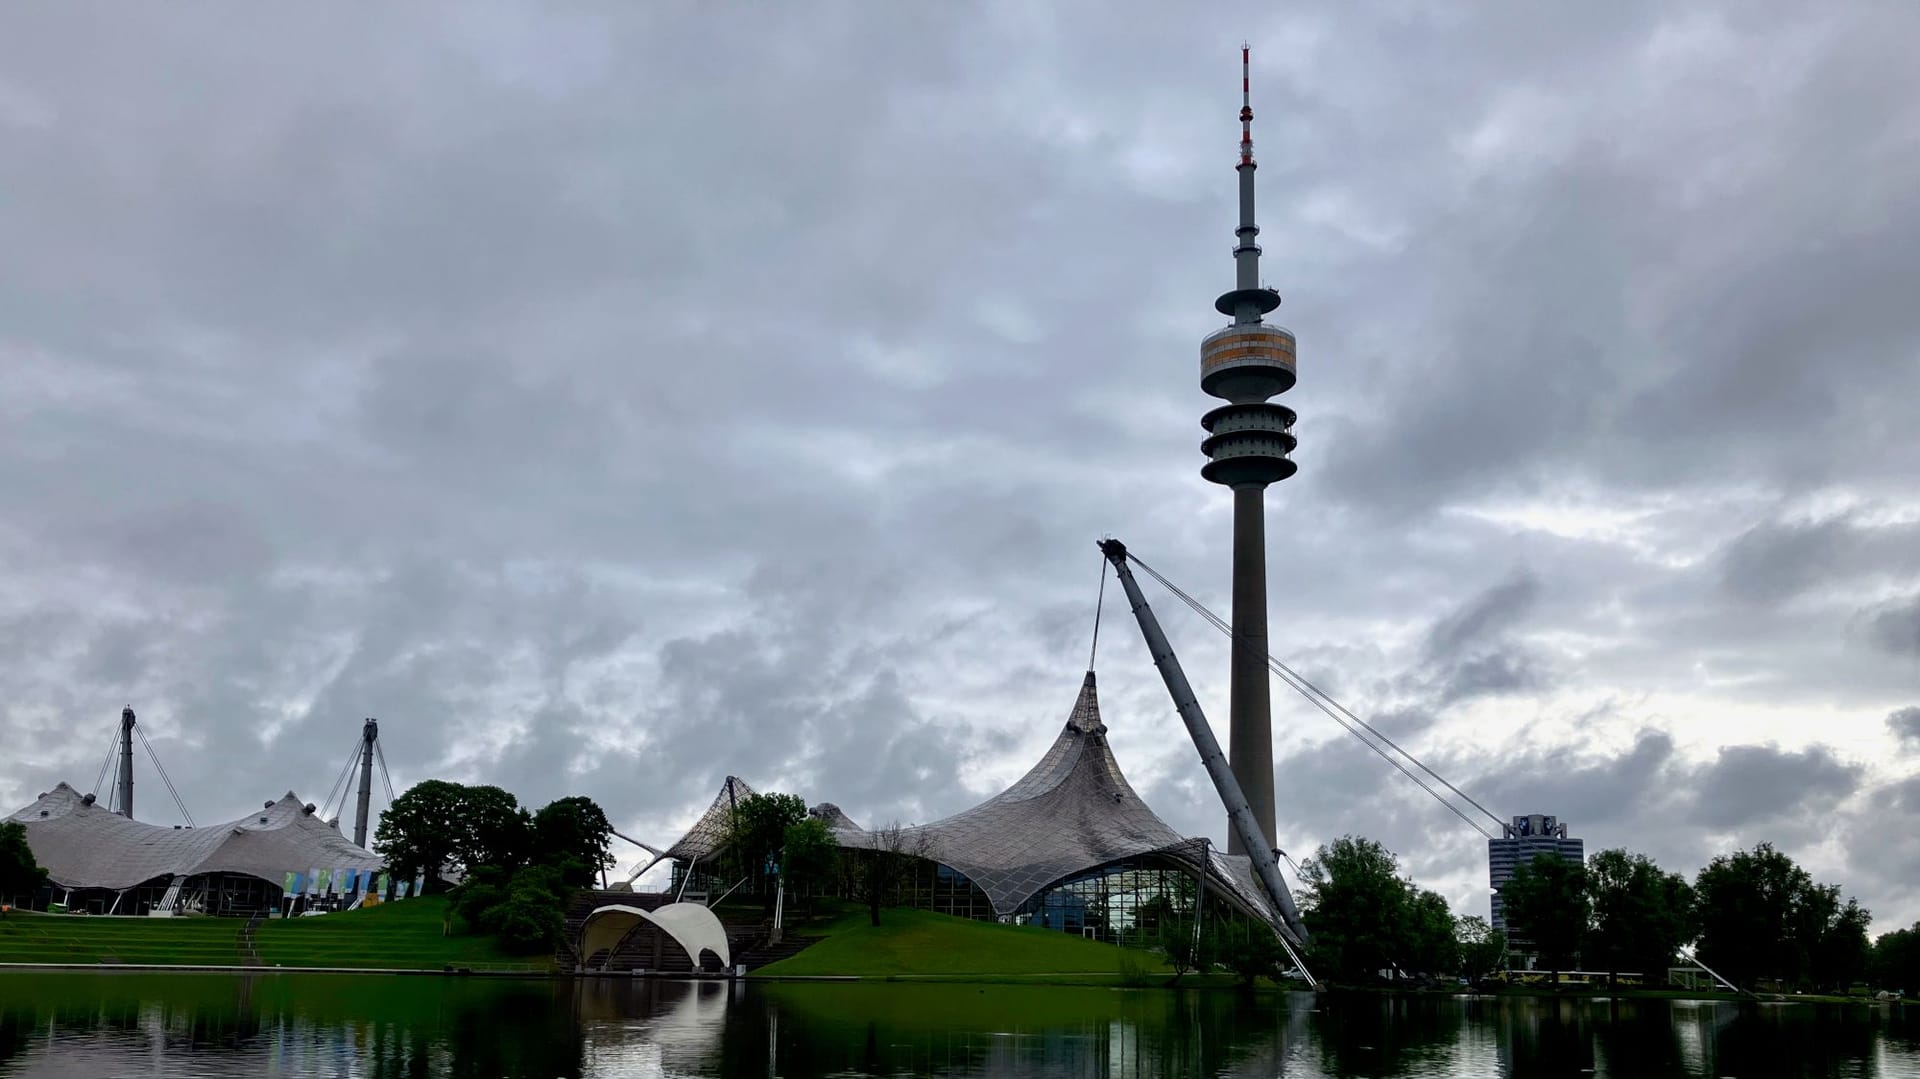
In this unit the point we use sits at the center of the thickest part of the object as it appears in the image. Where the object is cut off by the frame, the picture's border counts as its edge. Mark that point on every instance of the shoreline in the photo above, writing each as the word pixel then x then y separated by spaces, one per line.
pixel 1063 980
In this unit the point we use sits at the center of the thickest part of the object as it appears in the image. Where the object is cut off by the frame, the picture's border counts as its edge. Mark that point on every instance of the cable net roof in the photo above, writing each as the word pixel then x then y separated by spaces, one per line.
pixel 709 833
pixel 1072 812
pixel 84 845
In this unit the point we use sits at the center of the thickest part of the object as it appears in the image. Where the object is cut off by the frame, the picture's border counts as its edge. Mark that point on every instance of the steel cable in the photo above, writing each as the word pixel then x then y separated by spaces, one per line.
pixel 1320 699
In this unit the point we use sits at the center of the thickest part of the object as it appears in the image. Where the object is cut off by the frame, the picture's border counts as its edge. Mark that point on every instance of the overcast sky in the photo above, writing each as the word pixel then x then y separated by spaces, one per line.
pixel 610 398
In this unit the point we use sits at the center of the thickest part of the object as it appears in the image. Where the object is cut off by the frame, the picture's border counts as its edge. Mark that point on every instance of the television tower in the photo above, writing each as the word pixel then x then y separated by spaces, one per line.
pixel 1247 443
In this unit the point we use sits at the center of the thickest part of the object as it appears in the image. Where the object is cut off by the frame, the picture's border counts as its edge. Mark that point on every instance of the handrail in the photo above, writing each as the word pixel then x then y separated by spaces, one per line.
pixel 1232 326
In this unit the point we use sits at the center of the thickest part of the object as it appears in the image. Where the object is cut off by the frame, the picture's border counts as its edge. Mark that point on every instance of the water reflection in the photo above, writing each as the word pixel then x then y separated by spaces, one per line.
pixel 301 1025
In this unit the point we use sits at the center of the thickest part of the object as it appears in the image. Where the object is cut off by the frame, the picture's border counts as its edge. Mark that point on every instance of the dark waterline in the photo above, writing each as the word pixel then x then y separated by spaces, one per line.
pixel 88 1024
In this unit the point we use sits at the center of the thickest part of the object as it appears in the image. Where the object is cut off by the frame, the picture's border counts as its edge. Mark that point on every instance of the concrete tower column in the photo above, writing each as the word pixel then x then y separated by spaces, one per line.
pixel 1250 712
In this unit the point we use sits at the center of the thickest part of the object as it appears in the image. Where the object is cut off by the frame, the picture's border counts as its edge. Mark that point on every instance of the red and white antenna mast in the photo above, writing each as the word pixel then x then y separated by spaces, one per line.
pixel 1246 105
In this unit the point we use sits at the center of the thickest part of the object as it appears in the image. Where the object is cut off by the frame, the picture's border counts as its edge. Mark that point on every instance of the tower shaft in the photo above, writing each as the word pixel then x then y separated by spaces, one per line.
pixel 1250 705
pixel 124 792
pixel 368 734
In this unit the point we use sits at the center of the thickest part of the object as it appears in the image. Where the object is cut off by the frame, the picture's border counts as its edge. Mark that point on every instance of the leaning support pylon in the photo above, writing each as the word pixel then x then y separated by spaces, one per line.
pixel 1291 930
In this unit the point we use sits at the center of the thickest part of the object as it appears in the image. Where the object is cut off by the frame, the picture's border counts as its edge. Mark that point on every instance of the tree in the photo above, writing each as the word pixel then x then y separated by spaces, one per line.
pixel 890 857
pixel 1836 940
pixel 20 874
pixel 1895 963
pixel 423 830
pixel 1251 950
pixel 1546 903
pixel 497 832
pixel 1482 947
pixel 756 830
pixel 436 825
pixel 1353 906
pixel 574 835
pixel 1641 916
pixel 809 853
pixel 1427 943
pixel 1762 916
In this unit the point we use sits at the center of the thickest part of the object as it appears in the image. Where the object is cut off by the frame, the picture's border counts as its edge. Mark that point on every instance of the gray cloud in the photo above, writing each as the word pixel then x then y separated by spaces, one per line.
pixel 609 400
pixel 1490 612
pixel 1895 627
pixel 1905 724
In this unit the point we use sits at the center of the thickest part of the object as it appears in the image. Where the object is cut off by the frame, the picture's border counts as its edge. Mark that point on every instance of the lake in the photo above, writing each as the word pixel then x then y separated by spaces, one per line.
pixel 107 1024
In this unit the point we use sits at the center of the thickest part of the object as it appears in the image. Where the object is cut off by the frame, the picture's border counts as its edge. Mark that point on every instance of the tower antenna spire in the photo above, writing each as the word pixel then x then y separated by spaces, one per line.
pixel 1246 104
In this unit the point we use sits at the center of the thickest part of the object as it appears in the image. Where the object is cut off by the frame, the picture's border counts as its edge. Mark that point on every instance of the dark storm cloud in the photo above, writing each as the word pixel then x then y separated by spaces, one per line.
pixel 1895 627
pixel 610 399
pixel 1489 613
pixel 1745 785
pixel 1905 725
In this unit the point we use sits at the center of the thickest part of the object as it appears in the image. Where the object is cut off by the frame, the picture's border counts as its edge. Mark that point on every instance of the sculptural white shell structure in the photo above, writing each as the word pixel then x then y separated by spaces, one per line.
pixel 691 925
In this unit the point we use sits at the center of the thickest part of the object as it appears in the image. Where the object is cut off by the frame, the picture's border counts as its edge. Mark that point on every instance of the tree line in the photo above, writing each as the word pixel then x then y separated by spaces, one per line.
pixel 1752 916
pixel 517 868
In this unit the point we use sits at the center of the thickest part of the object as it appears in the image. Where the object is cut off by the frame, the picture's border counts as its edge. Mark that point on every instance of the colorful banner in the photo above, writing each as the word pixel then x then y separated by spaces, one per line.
pixel 313 882
pixel 292 885
pixel 401 890
pixel 324 885
pixel 420 883
pixel 384 886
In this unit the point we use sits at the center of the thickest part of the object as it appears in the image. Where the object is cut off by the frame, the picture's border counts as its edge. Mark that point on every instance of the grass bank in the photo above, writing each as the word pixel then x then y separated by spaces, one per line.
pixel 917 945
pixel 403 935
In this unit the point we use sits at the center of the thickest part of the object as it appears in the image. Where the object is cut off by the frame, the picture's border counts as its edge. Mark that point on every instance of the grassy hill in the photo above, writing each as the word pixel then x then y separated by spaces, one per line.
pixel 66 938
pixel 405 934
pixel 923 945
pixel 397 935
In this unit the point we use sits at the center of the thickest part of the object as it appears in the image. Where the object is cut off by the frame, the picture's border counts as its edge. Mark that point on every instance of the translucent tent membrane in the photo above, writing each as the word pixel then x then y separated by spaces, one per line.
pixel 85 845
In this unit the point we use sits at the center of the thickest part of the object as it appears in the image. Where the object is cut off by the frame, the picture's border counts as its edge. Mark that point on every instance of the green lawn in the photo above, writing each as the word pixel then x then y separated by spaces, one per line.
pixel 921 944
pixel 406 934
pixel 402 935
pixel 67 938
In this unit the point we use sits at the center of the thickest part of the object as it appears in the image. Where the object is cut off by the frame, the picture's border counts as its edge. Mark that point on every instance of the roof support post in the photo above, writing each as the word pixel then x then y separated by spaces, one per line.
pixel 125 789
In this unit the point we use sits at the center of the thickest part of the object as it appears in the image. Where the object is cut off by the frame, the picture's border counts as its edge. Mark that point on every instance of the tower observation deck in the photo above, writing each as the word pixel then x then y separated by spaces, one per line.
pixel 1248 440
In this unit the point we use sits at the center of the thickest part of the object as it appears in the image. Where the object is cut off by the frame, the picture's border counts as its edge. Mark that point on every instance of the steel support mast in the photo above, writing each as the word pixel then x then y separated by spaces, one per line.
pixel 124 790
pixel 369 732
pixel 1239 812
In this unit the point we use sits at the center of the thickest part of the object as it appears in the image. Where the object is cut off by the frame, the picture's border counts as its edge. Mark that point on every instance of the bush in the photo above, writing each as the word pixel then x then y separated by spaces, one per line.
pixel 528 922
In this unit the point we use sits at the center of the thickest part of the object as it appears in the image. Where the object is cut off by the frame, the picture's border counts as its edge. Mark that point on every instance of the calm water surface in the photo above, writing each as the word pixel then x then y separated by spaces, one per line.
pixel 332 1025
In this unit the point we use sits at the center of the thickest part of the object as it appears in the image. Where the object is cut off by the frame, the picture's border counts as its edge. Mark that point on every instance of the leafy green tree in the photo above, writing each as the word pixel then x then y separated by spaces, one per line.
pixel 436 824
pixel 423 831
pixel 1482 947
pixel 498 831
pixel 1641 916
pixel 1354 904
pixel 1427 943
pixel 1895 963
pixel 809 854
pixel 756 830
pixel 1546 904
pixel 1834 936
pixel 20 874
pixel 1762 916
pixel 1251 950
pixel 575 835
